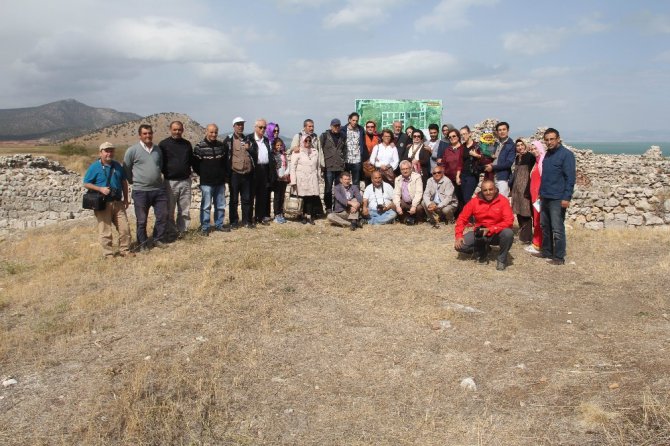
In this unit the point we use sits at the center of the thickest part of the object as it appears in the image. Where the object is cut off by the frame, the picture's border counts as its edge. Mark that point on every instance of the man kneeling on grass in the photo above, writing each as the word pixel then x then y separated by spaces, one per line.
pixel 346 203
pixel 493 220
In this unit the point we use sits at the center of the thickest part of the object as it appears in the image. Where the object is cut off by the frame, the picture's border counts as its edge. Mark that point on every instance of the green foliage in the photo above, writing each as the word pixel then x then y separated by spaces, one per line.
pixel 72 149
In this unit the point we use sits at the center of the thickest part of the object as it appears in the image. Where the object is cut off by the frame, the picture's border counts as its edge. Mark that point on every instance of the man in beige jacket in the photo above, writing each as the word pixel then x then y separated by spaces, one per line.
pixel 408 194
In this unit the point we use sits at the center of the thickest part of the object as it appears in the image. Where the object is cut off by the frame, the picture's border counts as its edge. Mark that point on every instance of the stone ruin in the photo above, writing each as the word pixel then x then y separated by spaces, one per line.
pixel 612 191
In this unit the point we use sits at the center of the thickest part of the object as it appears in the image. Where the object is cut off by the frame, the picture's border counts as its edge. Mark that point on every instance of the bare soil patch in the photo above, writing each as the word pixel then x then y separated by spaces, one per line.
pixel 319 335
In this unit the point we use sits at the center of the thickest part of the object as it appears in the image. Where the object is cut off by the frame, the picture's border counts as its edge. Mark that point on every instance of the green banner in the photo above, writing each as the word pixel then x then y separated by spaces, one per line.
pixel 418 113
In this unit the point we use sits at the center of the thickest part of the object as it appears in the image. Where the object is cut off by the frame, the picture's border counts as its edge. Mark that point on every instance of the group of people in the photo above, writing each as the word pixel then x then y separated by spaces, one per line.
pixel 407 177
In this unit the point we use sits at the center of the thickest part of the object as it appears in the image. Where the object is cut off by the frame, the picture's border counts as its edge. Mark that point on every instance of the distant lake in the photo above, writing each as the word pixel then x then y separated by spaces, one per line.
pixel 617 148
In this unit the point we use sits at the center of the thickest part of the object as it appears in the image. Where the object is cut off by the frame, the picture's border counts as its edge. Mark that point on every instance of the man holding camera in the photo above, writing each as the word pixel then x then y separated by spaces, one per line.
pixel 378 204
pixel 493 220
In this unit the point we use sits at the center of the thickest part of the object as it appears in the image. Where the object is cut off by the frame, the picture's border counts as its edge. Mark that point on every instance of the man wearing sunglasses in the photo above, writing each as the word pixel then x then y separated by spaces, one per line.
pixel 264 171
pixel 438 198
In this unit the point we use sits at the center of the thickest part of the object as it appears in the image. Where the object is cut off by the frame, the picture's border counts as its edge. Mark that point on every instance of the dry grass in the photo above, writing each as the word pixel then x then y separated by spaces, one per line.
pixel 317 335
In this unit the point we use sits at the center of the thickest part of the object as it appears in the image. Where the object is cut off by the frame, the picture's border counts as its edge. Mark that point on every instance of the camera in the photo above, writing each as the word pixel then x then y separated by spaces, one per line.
pixel 479 232
pixel 380 208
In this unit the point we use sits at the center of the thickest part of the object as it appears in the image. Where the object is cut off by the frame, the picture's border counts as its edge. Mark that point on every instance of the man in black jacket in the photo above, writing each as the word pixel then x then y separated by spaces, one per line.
pixel 264 170
pixel 401 141
pixel 334 150
pixel 177 162
pixel 211 163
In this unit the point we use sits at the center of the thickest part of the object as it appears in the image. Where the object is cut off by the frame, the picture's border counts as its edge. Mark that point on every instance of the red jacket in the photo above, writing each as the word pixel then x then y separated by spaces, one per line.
pixel 495 215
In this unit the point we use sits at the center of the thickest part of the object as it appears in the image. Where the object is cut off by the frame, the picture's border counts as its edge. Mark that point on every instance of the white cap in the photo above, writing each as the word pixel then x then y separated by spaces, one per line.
pixel 238 119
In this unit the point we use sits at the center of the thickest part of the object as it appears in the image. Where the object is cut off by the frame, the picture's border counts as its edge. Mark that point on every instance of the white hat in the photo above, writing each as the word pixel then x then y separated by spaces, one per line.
pixel 238 119
pixel 106 145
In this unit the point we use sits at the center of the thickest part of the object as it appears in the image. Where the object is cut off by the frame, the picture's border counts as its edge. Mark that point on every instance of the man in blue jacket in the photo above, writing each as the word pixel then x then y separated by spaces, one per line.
pixel 558 183
pixel 502 164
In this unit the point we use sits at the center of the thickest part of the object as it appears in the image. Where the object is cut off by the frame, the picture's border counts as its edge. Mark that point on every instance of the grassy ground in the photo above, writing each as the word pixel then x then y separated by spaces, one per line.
pixel 316 335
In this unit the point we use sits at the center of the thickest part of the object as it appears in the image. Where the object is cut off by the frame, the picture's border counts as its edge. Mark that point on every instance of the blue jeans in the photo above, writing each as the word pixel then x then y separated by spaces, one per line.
pixel 331 179
pixel 355 170
pixel 381 219
pixel 212 195
pixel 143 201
pixel 552 220
pixel 468 186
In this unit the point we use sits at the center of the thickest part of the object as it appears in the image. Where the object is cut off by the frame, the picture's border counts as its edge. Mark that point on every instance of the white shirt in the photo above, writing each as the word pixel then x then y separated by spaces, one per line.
pixel 148 149
pixel 378 195
pixel 263 150
pixel 385 155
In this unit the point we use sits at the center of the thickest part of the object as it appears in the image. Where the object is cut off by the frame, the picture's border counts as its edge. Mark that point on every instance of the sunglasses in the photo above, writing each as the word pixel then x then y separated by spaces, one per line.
pixel 262 127
pixel 416 136
pixel 438 173
pixel 454 137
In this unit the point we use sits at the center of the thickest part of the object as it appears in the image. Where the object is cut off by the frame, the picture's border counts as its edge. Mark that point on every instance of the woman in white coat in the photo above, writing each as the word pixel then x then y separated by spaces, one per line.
pixel 305 178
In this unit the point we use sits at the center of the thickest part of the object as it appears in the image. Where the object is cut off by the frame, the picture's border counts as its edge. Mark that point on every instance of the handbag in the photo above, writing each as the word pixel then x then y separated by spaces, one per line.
pixel 387 174
pixel 93 199
pixel 368 168
pixel 293 206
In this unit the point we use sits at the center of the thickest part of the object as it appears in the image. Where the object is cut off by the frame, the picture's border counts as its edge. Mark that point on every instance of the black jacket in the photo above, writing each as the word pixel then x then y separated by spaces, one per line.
pixel 334 152
pixel 177 158
pixel 211 162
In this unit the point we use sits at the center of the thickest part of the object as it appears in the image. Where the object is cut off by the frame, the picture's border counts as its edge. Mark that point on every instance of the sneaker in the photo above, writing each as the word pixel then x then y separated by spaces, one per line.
pixel 359 223
pixel 353 226
pixel 500 266
pixel 204 232
pixel 531 249
pixel 556 261
pixel 279 219
pixel 265 221
pixel 410 221
pixel 436 225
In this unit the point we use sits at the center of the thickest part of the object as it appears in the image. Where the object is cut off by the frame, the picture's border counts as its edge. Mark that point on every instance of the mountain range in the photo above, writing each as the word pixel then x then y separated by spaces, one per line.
pixel 57 120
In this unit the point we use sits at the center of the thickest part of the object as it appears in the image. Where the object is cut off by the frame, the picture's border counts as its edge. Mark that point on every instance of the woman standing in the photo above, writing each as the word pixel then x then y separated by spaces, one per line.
pixel 417 154
pixel 521 204
pixel 538 150
pixel 385 156
pixel 470 172
pixel 305 178
pixel 452 163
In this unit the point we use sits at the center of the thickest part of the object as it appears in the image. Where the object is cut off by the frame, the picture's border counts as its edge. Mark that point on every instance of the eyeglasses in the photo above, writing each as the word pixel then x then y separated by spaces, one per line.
pixel 454 137
pixel 439 172
pixel 416 136
pixel 262 127
pixel 275 131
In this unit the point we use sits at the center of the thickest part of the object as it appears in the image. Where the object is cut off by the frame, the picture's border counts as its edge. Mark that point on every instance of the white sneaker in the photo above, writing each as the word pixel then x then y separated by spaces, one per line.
pixel 531 249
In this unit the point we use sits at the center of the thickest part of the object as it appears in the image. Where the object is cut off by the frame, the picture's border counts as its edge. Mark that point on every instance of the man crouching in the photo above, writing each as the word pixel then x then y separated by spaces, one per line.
pixel 493 220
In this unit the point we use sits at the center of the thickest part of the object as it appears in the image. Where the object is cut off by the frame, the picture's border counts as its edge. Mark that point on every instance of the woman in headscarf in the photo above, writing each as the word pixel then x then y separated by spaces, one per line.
pixel 417 154
pixel 305 178
pixel 538 150
pixel 520 191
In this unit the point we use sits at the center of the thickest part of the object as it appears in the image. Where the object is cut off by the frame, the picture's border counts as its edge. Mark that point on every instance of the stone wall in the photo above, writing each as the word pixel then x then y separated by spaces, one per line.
pixel 612 191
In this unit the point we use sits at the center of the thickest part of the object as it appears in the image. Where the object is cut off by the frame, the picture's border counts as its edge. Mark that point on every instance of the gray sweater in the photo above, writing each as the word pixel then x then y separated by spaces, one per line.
pixel 143 169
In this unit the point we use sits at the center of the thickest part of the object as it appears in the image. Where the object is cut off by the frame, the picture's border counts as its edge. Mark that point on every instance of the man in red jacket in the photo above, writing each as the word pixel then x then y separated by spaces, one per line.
pixel 493 219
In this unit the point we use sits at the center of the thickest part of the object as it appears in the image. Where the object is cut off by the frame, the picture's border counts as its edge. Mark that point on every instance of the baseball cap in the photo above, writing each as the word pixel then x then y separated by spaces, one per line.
pixel 335 122
pixel 238 119
pixel 107 145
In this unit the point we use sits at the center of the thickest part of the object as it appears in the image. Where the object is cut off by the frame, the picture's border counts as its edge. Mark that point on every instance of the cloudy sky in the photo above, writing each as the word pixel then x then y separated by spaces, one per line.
pixel 594 69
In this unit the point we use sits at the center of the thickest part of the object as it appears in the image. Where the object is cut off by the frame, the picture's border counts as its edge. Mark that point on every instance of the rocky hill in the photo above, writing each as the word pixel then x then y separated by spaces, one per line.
pixel 56 120
pixel 125 134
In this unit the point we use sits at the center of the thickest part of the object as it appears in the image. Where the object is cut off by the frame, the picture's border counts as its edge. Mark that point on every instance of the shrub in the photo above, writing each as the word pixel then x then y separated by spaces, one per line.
pixel 72 149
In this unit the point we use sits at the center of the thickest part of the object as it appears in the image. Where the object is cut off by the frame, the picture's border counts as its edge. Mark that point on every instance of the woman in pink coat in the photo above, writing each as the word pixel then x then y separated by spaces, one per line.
pixel 537 149
pixel 305 178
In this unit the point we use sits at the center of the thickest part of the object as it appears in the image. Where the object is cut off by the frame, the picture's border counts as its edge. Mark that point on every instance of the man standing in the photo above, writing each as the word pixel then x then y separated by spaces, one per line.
pixel 378 201
pixel 493 220
pixel 504 158
pixel 177 162
pixel 558 183
pixel 107 177
pixel 264 171
pixel 408 193
pixel 334 148
pixel 437 146
pixel 143 162
pixel 439 199
pixel 346 208
pixel 355 139
pixel 241 168
pixel 401 140
pixel 307 130
pixel 211 163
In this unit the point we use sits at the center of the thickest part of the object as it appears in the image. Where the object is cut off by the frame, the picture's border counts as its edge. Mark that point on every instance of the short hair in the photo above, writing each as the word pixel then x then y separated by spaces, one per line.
pixel 405 163
pixel 466 127
pixel 345 173
pixel 144 126
pixel 552 130
pixel 304 123
pixel 501 123
pixel 375 172
pixel 387 131
pixel 434 127
pixel 212 125
pixel 352 114
pixel 176 122
pixel 371 122
pixel 489 181
pixel 419 131
pixel 454 131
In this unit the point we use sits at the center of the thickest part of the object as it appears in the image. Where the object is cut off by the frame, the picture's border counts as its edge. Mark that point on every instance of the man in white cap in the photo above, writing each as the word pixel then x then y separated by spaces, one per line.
pixel 108 178
pixel 241 168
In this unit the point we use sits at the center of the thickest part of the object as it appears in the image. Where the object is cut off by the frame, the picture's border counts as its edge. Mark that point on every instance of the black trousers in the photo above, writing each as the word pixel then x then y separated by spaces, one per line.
pixel 262 191
pixel 240 187
pixel 279 190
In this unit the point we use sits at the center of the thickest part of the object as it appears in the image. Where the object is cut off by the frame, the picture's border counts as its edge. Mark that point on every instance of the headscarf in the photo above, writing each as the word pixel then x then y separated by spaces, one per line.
pixel 540 155
pixel 269 132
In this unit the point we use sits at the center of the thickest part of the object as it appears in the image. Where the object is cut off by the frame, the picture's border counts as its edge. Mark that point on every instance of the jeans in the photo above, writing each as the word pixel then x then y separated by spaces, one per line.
pixel 332 178
pixel 212 195
pixel 179 198
pixel 241 186
pixel 355 170
pixel 381 219
pixel 552 220
pixel 468 186
pixel 504 239
pixel 143 201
